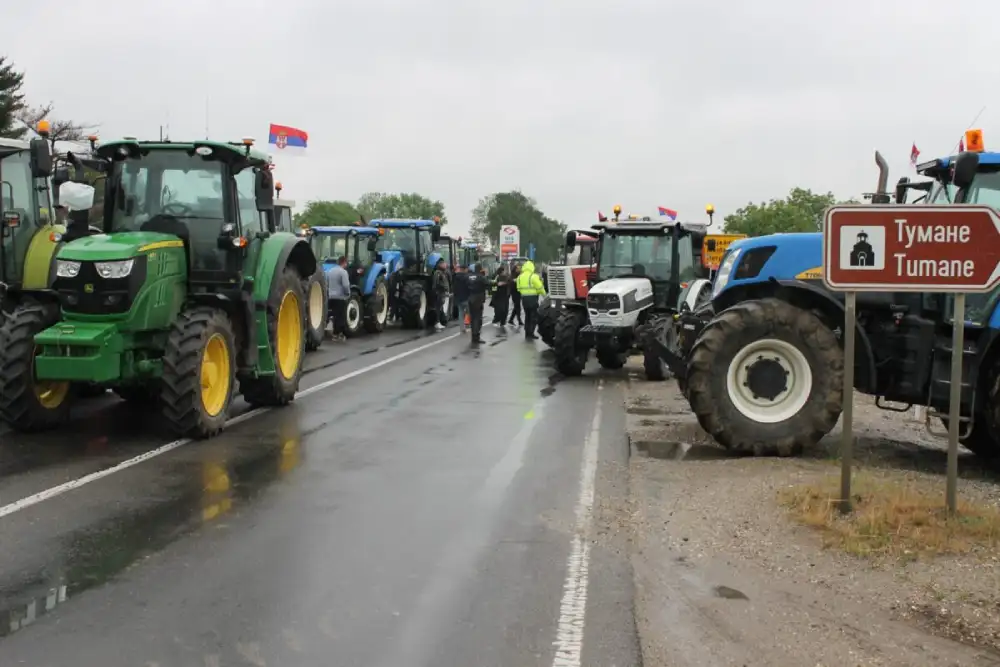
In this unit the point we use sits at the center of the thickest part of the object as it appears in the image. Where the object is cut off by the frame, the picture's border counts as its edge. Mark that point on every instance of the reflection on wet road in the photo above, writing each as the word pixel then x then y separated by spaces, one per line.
pixel 416 505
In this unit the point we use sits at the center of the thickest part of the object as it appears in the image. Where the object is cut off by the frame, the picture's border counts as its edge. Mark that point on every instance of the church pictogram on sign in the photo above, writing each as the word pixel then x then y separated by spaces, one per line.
pixel 862 254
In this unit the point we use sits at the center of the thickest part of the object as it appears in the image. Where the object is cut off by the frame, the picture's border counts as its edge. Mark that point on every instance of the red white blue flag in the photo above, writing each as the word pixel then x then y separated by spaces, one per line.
pixel 668 212
pixel 285 140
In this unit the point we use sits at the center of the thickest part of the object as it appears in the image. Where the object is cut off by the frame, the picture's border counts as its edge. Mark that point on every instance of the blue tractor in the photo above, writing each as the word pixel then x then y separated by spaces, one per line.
pixel 407 247
pixel 762 363
pixel 368 306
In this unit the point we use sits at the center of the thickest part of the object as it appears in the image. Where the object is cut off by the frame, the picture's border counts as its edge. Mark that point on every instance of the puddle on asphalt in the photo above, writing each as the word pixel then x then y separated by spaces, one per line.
pixel 727 593
pixel 94 555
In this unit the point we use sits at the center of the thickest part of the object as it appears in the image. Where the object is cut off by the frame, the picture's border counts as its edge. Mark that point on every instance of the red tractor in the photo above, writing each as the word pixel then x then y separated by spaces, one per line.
pixel 568 280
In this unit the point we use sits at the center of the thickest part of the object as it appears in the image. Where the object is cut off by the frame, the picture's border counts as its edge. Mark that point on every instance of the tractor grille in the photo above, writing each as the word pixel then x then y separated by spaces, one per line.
pixel 561 283
pixel 90 294
pixel 603 302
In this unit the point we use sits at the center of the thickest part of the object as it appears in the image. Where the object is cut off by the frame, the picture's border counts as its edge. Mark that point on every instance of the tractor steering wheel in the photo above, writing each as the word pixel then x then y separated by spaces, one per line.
pixel 183 210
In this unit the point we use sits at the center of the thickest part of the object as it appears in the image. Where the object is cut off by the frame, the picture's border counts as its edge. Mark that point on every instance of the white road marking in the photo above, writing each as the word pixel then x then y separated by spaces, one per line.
pixel 573 608
pixel 47 494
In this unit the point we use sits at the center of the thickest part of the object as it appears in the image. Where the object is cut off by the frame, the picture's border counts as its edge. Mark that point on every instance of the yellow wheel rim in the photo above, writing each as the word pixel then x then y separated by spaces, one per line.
pixel 289 343
pixel 216 375
pixel 50 394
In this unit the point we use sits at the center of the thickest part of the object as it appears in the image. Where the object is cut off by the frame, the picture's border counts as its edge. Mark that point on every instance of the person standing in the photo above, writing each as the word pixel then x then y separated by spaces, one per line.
pixel 501 297
pixel 515 295
pixel 462 294
pixel 338 283
pixel 530 287
pixel 479 285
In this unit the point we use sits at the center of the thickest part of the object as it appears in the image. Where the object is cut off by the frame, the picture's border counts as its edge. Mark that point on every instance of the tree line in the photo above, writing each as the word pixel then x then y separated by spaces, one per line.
pixel 19 117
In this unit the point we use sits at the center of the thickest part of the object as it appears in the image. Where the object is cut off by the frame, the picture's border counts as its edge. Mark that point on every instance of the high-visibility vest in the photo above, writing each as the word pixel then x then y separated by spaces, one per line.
pixel 529 284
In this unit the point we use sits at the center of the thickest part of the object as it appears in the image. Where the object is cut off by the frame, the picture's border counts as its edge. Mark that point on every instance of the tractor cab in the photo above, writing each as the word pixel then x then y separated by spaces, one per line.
pixel 469 253
pixel 281 214
pixel 447 247
pixel 357 244
pixel 408 245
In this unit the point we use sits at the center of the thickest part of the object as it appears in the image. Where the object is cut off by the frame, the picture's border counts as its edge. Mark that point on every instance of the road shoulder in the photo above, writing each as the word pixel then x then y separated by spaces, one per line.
pixel 724 577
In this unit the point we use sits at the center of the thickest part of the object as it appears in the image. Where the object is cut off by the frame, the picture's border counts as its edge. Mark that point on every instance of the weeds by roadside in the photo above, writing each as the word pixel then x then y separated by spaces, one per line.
pixel 892 518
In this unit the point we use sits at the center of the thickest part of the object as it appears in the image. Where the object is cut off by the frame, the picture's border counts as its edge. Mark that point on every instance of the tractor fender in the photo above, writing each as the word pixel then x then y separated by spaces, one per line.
pixel 39 261
pixel 377 269
pixel 277 252
pixel 811 296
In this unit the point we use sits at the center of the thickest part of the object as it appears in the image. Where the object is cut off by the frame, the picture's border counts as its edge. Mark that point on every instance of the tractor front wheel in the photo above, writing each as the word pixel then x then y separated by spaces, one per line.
pixel 377 307
pixel 199 373
pixel 27 404
pixel 766 377
pixel 317 311
pixel 286 336
pixel 413 308
pixel 571 356
pixel 353 316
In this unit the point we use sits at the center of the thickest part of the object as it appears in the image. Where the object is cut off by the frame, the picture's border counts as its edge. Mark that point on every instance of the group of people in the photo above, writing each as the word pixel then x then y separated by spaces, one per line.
pixel 521 288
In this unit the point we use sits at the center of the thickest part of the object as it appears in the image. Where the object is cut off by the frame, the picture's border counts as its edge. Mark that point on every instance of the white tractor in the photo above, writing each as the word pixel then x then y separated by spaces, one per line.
pixel 646 272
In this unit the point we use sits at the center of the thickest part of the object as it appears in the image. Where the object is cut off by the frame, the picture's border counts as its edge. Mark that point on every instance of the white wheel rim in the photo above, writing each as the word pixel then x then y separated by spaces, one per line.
pixel 381 292
pixel 316 306
pixel 798 381
pixel 422 310
pixel 353 314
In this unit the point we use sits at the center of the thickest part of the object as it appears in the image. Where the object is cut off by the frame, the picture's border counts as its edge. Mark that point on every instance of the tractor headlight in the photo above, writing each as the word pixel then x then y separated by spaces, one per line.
pixel 115 269
pixel 722 277
pixel 67 269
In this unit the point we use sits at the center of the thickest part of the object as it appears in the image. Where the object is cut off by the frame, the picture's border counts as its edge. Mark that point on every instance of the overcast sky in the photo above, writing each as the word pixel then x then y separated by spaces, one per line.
pixel 580 104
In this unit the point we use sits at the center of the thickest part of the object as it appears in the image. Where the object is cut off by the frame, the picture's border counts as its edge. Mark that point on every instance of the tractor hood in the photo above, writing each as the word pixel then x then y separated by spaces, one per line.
pixel 121 245
pixel 622 286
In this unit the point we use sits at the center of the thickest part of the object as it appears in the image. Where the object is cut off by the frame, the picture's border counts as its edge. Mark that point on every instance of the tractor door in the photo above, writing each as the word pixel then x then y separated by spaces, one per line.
pixel 356 249
pixel 18 214
pixel 425 246
pixel 253 223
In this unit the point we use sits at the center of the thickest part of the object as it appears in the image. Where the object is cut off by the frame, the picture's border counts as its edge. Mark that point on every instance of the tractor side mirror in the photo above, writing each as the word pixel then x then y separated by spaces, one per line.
pixel 901 188
pixel 436 233
pixel 570 240
pixel 264 190
pixel 41 157
pixel 966 165
pixel 372 243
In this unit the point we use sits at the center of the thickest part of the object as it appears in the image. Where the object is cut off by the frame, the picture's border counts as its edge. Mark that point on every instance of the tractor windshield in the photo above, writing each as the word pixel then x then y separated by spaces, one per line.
pixel 168 184
pixel 646 255
pixel 329 247
pixel 402 239
pixel 985 190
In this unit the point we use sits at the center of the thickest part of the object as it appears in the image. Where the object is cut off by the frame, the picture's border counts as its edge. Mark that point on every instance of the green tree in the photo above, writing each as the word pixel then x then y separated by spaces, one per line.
pixel 330 213
pixel 514 208
pixel 801 211
pixel 11 100
pixel 404 205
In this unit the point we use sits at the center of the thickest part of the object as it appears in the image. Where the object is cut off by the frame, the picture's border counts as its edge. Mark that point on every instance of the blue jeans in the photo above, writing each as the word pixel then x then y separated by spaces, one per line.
pixel 463 310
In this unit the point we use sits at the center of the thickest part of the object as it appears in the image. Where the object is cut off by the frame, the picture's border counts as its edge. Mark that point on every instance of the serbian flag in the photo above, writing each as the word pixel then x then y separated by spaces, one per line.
pixel 914 154
pixel 285 140
pixel 601 217
pixel 669 212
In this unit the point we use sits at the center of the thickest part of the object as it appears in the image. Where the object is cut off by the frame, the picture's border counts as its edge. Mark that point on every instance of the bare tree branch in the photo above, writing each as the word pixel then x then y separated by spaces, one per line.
pixel 59 130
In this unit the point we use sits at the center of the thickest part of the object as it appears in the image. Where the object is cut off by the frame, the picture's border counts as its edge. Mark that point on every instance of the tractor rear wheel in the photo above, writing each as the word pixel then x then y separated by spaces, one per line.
pixel 571 356
pixel 413 308
pixel 377 307
pixel 353 315
pixel 766 377
pixel 317 311
pixel 286 336
pixel 199 373
pixel 26 404
pixel 546 323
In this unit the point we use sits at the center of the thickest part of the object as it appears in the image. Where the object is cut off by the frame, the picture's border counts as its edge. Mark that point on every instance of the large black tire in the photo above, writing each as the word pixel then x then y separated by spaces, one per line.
pixel 354 316
pixel 377 307
pixel 571 357
pixel 279 388
pixel 414 304
pixel 547 316
pixel 25 405
pixel 652 364
pixel 611 359
pixel 182 397
pixel 317 309
pixel 780 331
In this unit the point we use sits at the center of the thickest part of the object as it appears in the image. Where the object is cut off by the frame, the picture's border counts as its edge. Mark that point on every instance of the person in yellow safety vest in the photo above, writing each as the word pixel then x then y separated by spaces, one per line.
pixel 530 286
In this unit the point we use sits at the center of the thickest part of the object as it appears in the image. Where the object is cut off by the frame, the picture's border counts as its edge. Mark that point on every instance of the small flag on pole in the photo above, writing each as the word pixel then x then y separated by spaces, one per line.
pixel 601 217
pixel 914 154
pixel 285 140
pixel 961 145
pixel 668 212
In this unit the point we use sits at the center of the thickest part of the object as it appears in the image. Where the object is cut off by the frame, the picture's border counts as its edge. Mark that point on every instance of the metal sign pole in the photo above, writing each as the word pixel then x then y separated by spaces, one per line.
pixel 955 401
pixel 847 413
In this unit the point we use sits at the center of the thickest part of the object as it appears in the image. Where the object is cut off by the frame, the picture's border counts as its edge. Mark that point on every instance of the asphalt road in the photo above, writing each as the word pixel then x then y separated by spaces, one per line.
pixel 421 502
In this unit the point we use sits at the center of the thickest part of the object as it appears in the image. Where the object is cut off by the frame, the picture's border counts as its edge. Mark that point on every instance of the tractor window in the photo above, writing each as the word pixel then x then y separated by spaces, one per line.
pixel 648 255
pixel 424 239
pixel 168 183
pixel 250 217
pixel 444 249
pixel 362 255
pixel 16 187
pixel 329 247
pixel 985 190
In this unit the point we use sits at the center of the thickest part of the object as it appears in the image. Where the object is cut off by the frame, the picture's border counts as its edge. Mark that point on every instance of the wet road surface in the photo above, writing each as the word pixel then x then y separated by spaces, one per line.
pixel 421 503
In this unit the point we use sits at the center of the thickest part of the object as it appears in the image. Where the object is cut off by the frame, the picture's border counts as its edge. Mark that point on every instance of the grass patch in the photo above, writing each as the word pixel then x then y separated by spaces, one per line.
pixel 895 518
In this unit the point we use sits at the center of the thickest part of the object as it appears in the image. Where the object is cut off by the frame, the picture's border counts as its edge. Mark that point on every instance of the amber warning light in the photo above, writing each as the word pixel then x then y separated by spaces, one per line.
pixel 974 141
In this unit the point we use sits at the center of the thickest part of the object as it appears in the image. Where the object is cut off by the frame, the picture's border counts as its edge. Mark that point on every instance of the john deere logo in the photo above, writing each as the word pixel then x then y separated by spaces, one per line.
pixel 88 288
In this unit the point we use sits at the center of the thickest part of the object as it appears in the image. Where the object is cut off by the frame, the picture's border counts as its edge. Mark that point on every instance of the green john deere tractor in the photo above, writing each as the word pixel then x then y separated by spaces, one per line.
pixel 188 290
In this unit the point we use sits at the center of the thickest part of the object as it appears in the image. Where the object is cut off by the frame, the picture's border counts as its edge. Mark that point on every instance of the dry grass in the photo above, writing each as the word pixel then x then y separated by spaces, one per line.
pixel 893 518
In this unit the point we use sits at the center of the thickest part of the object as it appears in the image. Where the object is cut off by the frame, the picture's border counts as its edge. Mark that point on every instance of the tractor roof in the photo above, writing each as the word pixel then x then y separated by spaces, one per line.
pixel 401 223
pixel 345 229
pixel 647 227
pixel 231 150
pixel 286 203
pixel 935 168
pixel 13 143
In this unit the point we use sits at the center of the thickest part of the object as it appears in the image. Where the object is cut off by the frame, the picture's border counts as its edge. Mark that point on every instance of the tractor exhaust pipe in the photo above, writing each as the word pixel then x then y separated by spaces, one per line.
pixel 881 195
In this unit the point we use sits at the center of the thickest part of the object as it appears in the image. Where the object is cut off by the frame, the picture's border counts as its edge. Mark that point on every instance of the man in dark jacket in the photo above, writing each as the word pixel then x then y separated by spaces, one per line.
pixel 441 287
pixel 501 297
pixel 461 286
pixel 479 285
pixel 515 296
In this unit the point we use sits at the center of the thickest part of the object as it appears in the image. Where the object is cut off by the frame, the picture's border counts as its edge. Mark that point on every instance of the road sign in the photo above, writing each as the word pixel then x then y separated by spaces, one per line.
pixel 714 247
pixel 510 241
pixel 911 248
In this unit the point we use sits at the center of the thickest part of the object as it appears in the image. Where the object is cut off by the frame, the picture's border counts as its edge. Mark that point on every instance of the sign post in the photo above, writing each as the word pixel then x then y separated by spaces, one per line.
pixel 909 249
